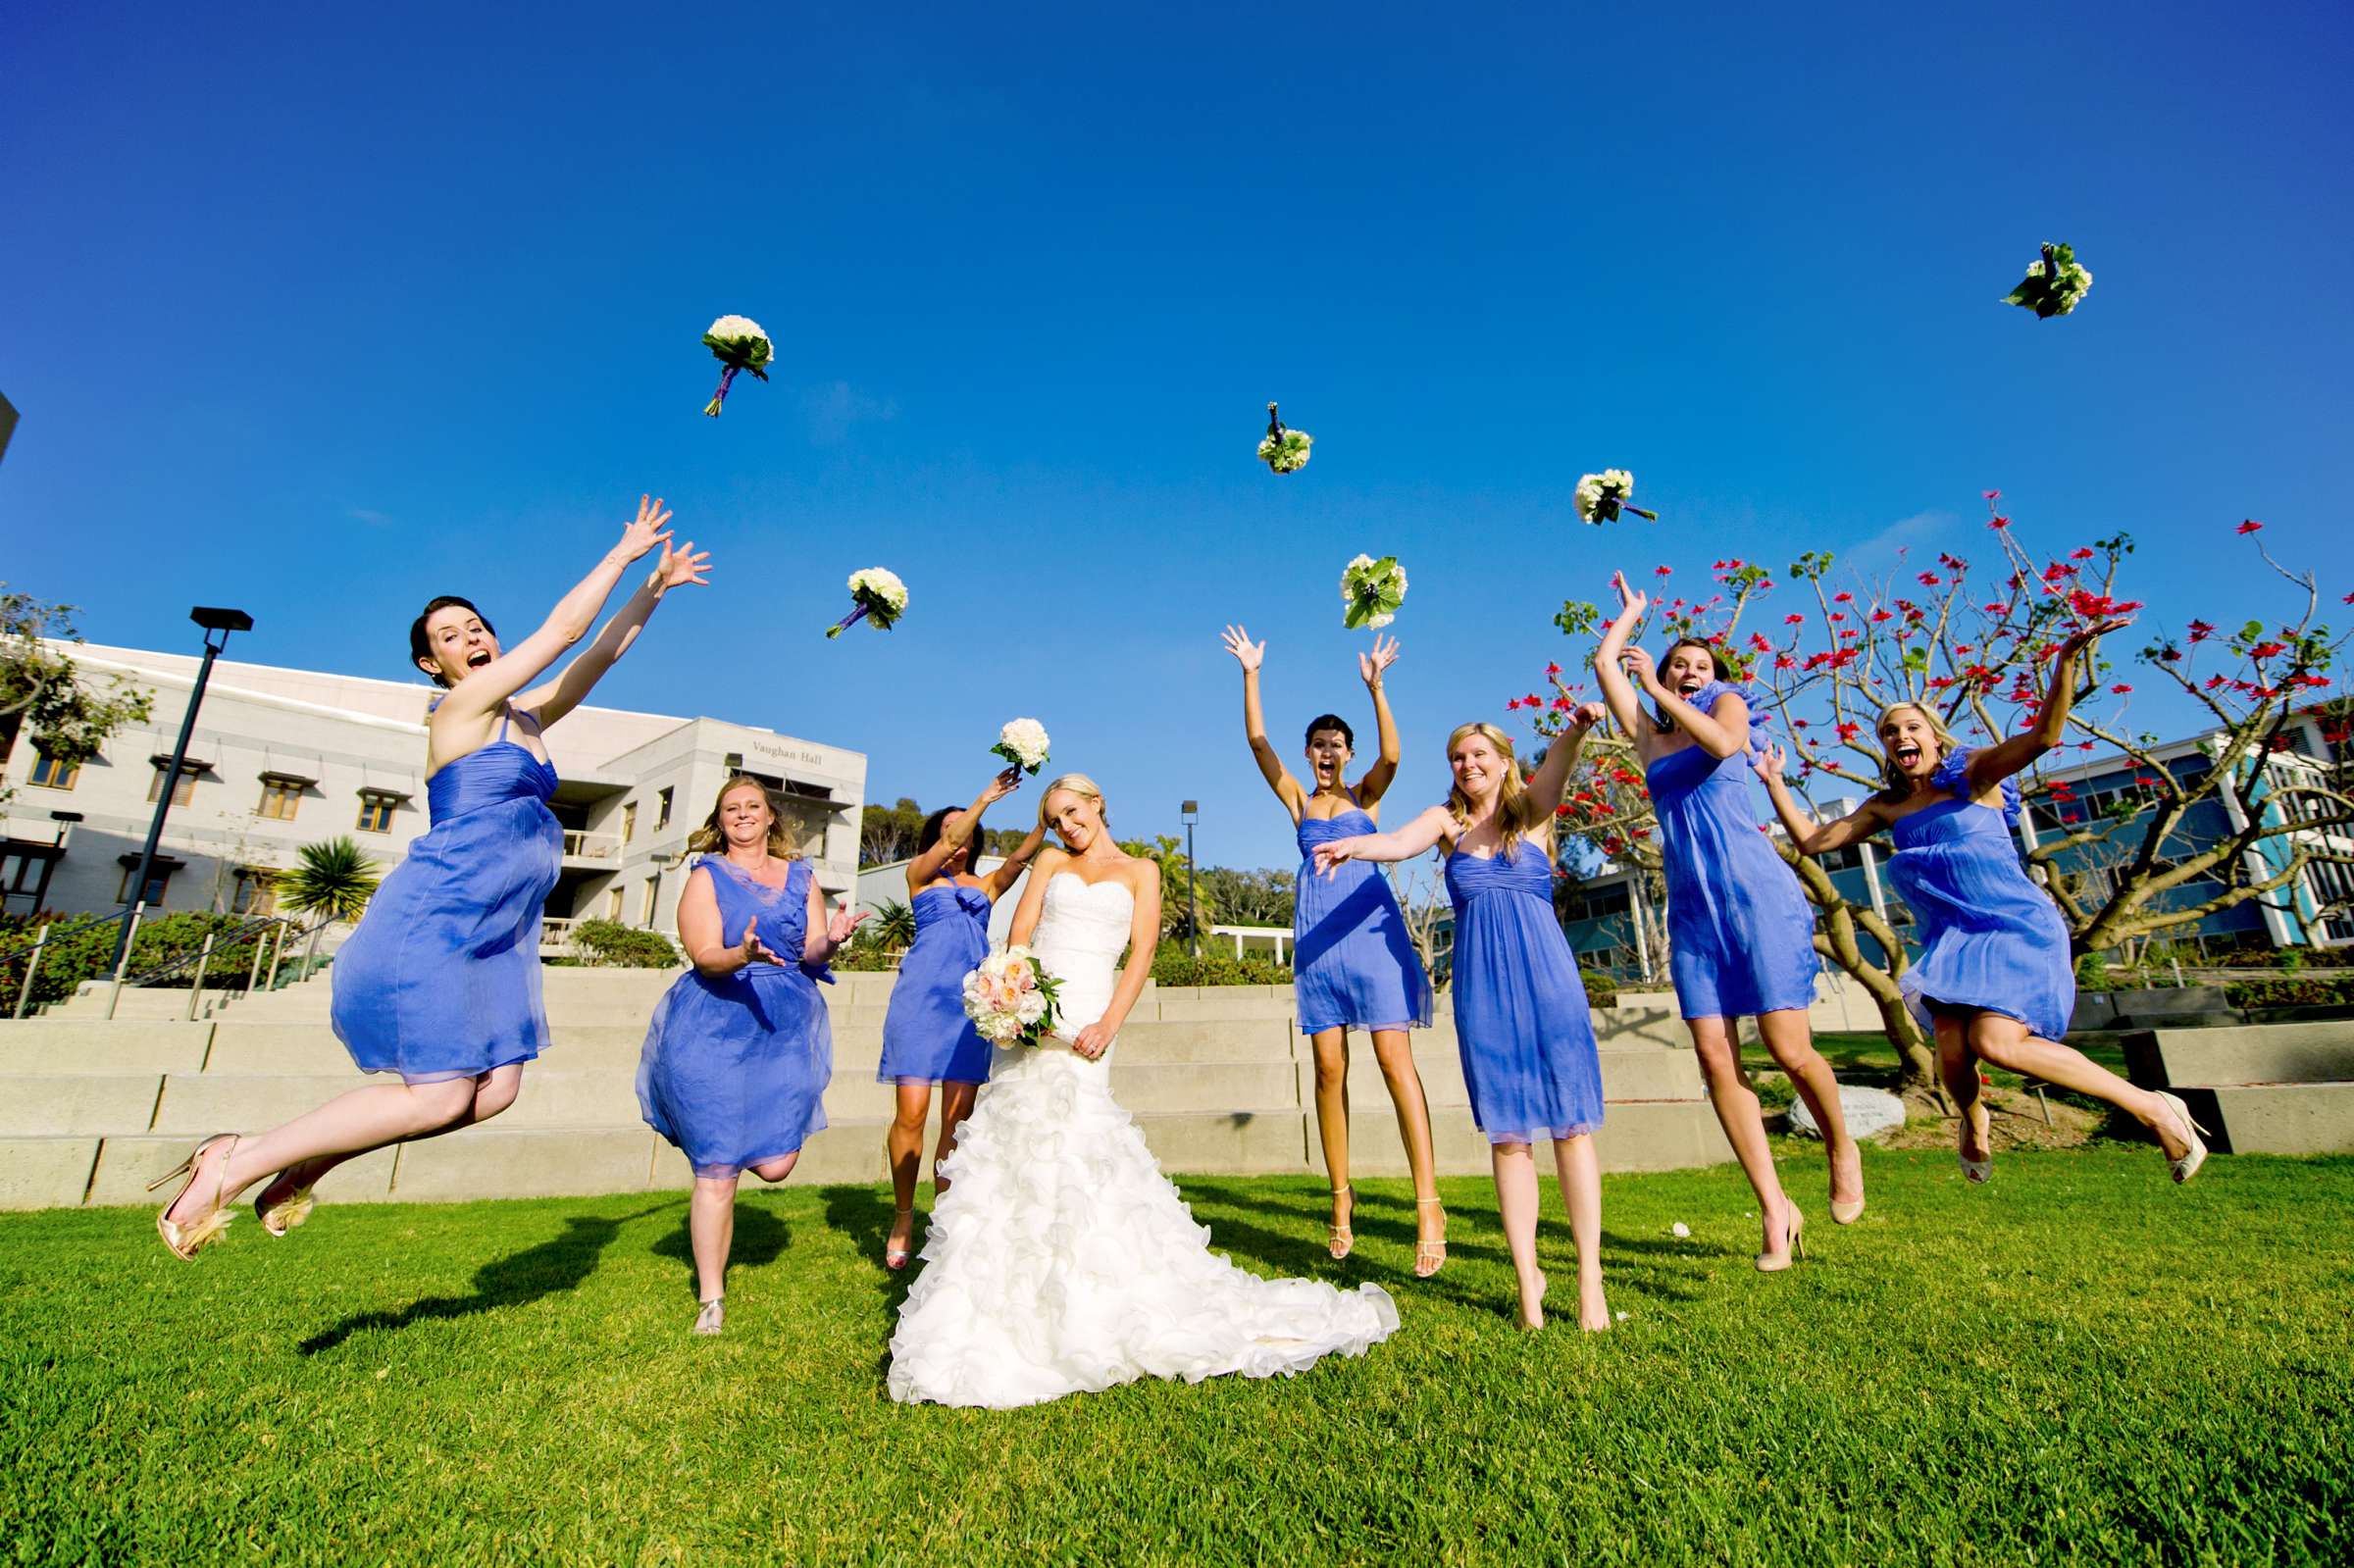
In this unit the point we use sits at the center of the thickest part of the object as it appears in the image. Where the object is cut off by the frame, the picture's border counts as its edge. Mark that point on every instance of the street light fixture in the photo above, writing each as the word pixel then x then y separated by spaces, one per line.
pixel 1191 811
pixel 218 624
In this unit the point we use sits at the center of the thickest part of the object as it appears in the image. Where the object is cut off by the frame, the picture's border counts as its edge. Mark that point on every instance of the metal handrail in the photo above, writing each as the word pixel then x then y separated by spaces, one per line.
pixel 220 939
pixel 50 933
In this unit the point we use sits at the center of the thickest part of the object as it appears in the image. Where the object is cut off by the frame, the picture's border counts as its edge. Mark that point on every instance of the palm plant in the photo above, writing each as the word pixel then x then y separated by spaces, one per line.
pixel 895 924
pixel 330 881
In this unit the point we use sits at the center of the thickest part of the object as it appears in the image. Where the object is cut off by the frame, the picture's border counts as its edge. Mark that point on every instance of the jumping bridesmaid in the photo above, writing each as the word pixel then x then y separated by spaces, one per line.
pixel 440 982
pixel 1354 965
pixel 1741 939
pixel 928 1042
pixel 1994 980
pixel 1521 1019
pixel 740 1049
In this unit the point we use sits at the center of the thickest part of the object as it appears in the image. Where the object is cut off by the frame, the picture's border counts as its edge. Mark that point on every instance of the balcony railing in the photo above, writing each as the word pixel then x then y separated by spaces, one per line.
pixel 580 845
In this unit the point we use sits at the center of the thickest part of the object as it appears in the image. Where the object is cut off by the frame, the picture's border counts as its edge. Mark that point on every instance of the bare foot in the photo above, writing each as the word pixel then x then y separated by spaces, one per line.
pixel 1593 1311
pixel 1532 1302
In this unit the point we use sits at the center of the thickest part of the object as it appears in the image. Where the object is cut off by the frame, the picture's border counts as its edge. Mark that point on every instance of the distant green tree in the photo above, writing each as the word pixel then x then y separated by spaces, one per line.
pixel 331 880
pixel 43 692
pixel 1261 897
pixel 887 833
pixel 1169 852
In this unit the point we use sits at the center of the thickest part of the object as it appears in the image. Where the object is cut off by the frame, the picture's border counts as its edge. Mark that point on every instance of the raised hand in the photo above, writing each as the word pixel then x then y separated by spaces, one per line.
pixel 1370 666
pixel 1003 784
pixel 646 530
pixel 682 566
pixel 1768 761
pixel 1586 715
pixel 842 922
pixel 2085 635
pixel 753 948
pixel 1247 653
pixel 1633 601
pixel 1637 662
pixel 1092 1041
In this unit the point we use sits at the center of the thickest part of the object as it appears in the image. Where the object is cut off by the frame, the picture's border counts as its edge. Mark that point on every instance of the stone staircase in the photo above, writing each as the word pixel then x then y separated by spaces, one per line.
pixel 2260 1088
pixel 1219 1078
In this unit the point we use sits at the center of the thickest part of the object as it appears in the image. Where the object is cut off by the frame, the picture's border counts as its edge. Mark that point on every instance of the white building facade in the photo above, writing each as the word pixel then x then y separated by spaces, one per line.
pixel 283 758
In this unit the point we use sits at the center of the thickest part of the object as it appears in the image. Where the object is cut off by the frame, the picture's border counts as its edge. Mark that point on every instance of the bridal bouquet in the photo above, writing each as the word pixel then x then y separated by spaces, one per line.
pixel 1600 496
pixel 879 597
pixel 1023 742
pixel 1011 997
pixel 2053 286
pixel 1283 450
pixel 1371 590
pixel 739 344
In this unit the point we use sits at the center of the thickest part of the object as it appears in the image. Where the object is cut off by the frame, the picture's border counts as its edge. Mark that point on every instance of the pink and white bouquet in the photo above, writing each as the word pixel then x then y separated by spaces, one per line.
pixel 1010 998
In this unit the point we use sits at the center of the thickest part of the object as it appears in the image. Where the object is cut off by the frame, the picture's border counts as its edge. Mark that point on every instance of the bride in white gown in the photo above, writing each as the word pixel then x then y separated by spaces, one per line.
pixel 1061 1259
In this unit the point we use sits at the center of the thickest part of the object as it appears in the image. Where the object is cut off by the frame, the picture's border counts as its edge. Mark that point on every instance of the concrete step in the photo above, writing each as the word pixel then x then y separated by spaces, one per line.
pixel 2275 1118
pixel 71 1045
pixel 46 1172
pixel 2246 1053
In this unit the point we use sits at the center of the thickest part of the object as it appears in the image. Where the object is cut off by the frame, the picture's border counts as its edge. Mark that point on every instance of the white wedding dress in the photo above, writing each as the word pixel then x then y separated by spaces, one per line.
pixel 1061 1259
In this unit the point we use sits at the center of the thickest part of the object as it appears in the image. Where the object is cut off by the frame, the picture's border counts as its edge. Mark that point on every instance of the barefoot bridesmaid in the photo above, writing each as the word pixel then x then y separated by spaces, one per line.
pixel 440 982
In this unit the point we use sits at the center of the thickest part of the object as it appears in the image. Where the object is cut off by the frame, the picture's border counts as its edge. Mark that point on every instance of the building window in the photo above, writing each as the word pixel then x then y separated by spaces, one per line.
pixel 280 799
pixel 21 874
pixel 376 811
pixel 661 811
pixel 181 792
pixel 50 774
pixel 256 891
pixel 613 903
pixel 654 890
pixel 157 881
pixel 628 821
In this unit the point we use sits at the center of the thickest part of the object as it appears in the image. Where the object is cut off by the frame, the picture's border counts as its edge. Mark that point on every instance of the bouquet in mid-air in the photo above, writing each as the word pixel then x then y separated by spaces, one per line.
pixel 739 344
pixel 1371 591
pixel 878 597
pixel 1601 497
pixel 1011 997
pixel 1284 450
pixel 2054 284
pixel 1023 742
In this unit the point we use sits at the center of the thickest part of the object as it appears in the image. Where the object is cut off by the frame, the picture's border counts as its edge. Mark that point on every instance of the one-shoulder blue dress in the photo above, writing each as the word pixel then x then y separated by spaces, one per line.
pixel 735 1067
pixel 1353 964
pixel 1521 1019
pixel 927 1039
pixel 1741 937
pixel 441 979
pixel 1991 940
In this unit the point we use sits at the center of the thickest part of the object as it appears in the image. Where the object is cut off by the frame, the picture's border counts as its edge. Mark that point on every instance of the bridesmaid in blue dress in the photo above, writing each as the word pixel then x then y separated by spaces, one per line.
pixel 740 1049
pixel 1521 1019
pixel 928 1042
pixel 440 984
pixel 1741 934
pixel 1995 982
pixel 1353 964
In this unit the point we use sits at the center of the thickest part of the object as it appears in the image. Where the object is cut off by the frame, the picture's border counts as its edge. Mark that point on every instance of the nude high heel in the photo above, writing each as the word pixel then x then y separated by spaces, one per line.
pixel 2188 1165
pixel 713 1315
pixel 1430 1256
pixel 1343 1239
pixel 1794 1245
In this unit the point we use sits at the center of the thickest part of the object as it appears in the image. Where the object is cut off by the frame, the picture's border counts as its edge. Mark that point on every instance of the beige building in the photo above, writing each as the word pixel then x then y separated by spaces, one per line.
pixel 283 758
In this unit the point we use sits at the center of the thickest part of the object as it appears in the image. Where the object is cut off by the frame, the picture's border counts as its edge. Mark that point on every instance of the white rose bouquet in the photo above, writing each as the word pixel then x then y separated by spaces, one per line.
pixel 2055 285
pixel 878 597
pixel 1601 497
pixel 739 344
pixel 1023 742
pixel 1371 591
pixel 1284 450
pixel 1010 998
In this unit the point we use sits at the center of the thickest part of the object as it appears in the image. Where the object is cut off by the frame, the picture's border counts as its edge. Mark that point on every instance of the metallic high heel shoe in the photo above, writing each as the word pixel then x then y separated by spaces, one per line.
pixel 282 1216
pixel 895 1258
pixel 186 1240
pixel 1429 1256
pixel 1343 1239
pixel 713 1316
pixel 1976 1172
pixel 1794 1245
pixel 2188 1165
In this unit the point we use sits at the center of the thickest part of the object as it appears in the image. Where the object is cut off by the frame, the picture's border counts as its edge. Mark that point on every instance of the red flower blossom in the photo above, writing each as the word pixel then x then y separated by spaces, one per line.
pixel 1999 523
pixel 1930 580
pixel 1663 570
pixel 2080 554
pixel 2251 526
pixel 1994 495
pixel 1553 669
pixel 1794 620
pixel 1843 599
pixel 2121 691
pixel 2200 631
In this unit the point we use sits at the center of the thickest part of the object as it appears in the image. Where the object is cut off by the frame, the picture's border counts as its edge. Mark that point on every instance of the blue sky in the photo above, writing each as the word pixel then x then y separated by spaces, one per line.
pixel 320 313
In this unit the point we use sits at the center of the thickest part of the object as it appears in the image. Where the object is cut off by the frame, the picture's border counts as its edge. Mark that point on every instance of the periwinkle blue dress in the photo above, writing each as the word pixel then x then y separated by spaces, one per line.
pixel 441 979
pixel 735 1066
pixel 1991 940
pixel 1522 1020
pixel 1353 964
pixel 1741 937
pixel 926 1036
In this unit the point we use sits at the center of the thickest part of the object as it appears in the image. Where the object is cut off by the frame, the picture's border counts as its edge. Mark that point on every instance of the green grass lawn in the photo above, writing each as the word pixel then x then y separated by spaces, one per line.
pixel 2077 1364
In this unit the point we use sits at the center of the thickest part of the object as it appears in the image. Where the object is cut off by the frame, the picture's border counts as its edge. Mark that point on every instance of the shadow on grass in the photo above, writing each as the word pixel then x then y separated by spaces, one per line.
pixel 761 1238
pixel 560 1263
pixel 863 1215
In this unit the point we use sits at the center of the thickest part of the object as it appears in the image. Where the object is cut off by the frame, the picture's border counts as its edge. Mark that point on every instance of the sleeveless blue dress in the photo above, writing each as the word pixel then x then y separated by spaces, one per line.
pixel 1353 964
pixel 926 1036
pixel 1521 1019
pixel 735 1068
pixel 1991 940
pixel 1741 937
pixel 441 979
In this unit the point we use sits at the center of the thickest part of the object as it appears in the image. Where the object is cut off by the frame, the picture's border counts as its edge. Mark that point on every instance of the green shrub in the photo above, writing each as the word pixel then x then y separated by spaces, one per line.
pixel 2092 973
pixel 863 957
pixel 1602 991
pixel 89 953
pixel 2299 991
pixel 615 946
pixel 1173 966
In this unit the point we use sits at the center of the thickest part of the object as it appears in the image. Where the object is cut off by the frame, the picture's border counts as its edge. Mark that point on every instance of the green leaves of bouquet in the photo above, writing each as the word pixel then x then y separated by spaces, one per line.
pixel 1284 450
pixel 1371 591
pixel 877 596
pixel 2053 286
pixel 739 344
pixel 1601 497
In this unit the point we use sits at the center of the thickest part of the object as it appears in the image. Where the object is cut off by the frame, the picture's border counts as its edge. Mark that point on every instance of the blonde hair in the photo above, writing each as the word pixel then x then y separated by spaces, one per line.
pixel 1517 812
pixel 1898 783
pixel 708 840
pixel 1084 788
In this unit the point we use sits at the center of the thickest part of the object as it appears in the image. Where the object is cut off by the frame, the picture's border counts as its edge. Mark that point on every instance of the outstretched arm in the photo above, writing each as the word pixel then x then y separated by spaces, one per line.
pixel 1248 655
pixel 1609 665
pixel 1034 899
pixel 1370 668
pixel 1993 764
pixel 826 933
pixel 960 830
pixel 1551 781
pixel 1010 871
pixel 1807 836
pixel 1144 940
pixel 1400 843
pixel 558 697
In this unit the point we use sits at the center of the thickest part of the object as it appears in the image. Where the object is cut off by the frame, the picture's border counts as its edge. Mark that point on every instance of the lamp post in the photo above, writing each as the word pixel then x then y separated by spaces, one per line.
pixel 216 623
pixel 1191 811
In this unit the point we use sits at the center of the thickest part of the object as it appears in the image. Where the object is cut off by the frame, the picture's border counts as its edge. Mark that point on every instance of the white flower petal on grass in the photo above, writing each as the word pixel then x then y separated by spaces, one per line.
pixel 1679 1229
